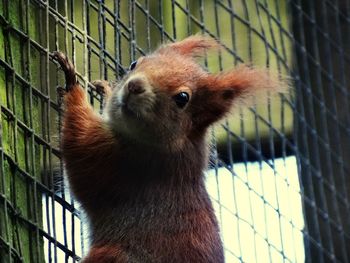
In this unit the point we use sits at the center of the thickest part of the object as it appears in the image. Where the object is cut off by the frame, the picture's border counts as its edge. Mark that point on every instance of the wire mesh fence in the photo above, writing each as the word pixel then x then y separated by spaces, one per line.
pixel 278 175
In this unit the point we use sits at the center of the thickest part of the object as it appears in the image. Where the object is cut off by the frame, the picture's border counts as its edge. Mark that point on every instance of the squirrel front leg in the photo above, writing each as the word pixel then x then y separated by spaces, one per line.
pixel 87 143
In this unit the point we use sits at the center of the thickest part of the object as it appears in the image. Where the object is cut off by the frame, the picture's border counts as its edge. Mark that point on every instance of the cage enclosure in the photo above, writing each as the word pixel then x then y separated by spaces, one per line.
pixel 279 171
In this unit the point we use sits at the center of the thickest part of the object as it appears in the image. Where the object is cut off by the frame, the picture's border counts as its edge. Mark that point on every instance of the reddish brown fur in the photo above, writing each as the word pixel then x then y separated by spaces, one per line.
pixel 191 46
pixel 147 202
pixel 105 254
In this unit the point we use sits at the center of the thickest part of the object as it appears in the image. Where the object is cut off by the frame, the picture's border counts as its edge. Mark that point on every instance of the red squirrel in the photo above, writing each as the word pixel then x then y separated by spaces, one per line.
pixel 139 171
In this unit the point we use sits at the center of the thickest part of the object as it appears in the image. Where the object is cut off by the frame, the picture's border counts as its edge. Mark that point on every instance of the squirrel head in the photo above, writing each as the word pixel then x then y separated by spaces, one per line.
pixel 168 99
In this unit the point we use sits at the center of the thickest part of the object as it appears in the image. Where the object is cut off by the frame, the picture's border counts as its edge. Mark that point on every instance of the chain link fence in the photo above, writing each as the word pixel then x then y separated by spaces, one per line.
pixel 278 173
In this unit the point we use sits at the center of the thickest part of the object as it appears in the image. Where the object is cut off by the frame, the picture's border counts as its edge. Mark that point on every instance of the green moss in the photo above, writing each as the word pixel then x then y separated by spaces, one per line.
pixel 23 244
pixel 37 162
pixel 19 101
pixel 7 136
pixel 3 225
pixel 36 114
pixel 3 97
pixel 6 225
pixel 35 75
pixel 14 11
pixel 21 149
pixel 2 44
pixel 21 201
pixel 7 180
pixel 26 239
pixel 15 143
pixel 34 22
pixel 16 53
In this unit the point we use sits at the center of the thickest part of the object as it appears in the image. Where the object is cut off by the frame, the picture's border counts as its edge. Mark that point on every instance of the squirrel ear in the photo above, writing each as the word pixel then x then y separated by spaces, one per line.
pixel 246 81
pixel 191 46
pixel 218 92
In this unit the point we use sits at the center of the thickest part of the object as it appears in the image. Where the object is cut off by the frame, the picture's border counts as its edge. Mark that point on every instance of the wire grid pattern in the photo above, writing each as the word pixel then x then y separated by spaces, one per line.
pixel 39 222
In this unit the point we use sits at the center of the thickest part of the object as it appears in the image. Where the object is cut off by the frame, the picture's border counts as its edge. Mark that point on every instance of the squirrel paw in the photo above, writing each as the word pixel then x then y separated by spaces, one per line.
pixel 102 87
pixel 67 67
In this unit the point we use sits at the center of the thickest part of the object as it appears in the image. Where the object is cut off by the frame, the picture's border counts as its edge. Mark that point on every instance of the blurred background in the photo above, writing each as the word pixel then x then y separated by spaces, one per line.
pixel 279 171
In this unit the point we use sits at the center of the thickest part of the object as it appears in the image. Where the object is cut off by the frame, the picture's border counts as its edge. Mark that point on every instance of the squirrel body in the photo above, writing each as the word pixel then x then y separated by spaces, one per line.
pixel 139 173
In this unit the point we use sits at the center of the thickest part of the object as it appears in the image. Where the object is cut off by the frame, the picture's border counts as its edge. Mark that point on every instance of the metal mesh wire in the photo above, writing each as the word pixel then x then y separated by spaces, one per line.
pixel 278 173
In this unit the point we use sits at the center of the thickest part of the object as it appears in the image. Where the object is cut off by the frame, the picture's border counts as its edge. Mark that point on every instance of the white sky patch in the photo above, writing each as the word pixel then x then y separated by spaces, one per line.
pixel 259 208
pixel 66 228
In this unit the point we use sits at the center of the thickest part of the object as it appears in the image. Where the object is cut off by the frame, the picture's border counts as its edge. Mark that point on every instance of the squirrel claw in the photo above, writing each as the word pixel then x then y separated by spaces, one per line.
pixel 67 67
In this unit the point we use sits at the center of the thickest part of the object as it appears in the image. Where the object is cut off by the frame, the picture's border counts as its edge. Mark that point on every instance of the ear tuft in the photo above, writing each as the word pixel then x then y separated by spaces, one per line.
pixel 192 46
pixel 245 82
pixel 218 93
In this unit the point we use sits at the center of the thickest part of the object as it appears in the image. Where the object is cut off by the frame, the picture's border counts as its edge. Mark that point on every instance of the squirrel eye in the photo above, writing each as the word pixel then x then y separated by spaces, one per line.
pixel 181 99
pixel 133 65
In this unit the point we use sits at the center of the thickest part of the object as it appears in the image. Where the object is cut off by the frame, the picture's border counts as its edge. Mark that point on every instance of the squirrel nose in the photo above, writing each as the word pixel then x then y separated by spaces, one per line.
pixel 135 86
